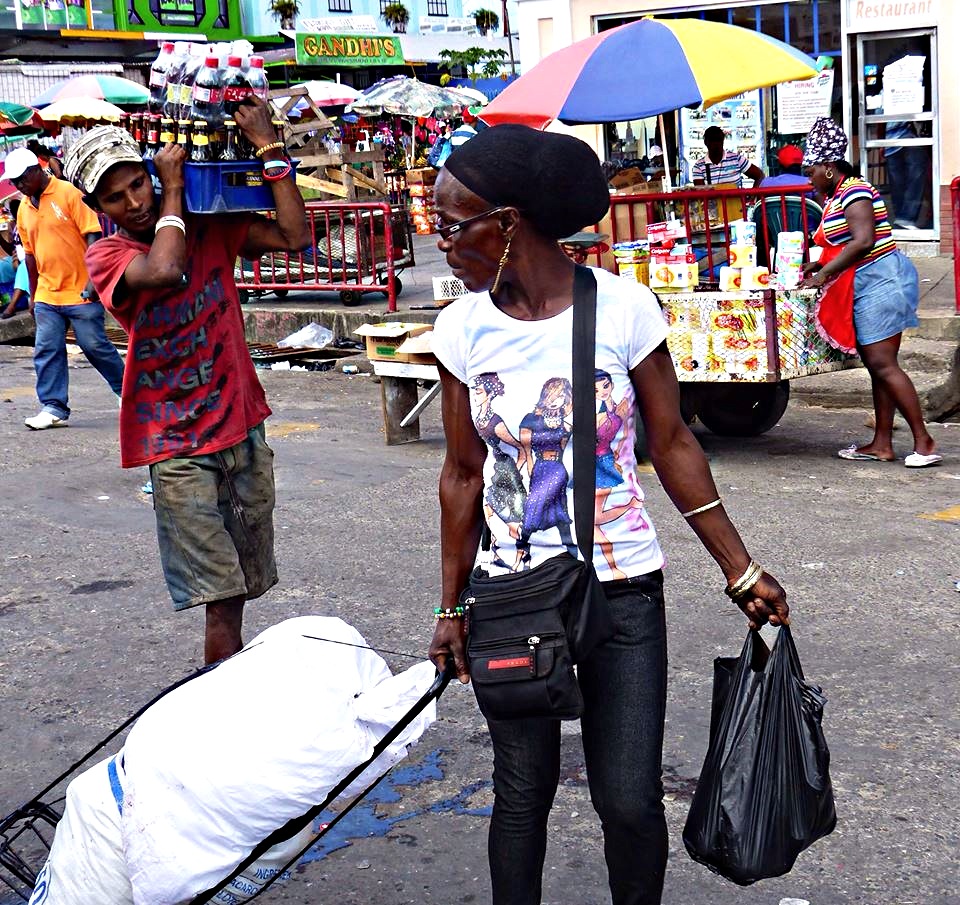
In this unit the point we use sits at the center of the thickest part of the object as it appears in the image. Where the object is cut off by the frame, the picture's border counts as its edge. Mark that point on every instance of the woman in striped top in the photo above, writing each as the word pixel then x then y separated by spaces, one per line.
pixel 869 292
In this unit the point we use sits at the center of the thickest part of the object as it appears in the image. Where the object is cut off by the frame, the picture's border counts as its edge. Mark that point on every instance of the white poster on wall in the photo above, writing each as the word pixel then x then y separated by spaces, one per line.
pixel 903 85
pixel 800 103
pixel 741 119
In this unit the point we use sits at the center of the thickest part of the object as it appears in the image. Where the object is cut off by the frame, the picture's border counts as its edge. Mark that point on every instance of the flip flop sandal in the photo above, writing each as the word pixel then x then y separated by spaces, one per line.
pixel 918 460
pixel 854 455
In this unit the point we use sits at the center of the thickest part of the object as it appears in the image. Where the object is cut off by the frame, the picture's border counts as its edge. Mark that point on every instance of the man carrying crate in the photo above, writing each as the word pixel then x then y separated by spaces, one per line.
pixel 193 408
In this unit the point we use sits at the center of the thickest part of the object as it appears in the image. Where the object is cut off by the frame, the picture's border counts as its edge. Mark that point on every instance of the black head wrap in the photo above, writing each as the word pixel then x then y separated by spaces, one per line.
pixel 554 180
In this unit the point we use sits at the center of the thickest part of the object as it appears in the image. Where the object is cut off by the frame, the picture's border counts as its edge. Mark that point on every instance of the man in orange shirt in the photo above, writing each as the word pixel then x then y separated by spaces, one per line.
pixel 56 228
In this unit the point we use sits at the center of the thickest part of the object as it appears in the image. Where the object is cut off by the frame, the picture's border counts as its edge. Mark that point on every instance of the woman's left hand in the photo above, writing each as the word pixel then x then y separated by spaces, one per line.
pixel 765 602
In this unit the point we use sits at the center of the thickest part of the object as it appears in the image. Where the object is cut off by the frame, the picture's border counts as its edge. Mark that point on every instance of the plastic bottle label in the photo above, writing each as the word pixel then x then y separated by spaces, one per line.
pixel 186 93
pixel 207 95
pixel 166 138
pixel 200 139
pixel 173 92
pixel 237 93
pixel 157 79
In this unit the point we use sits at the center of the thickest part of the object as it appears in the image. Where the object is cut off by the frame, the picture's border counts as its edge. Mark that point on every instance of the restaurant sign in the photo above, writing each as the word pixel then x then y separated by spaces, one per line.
pixel 325 49
pixel 889 15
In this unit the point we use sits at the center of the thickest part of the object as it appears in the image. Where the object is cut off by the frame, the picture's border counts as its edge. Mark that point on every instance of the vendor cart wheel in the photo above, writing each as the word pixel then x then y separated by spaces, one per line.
pixel 281 293
pixel 244 295
pixel 742 409
pixel 689 401
pixel 397 287
pixel 351 297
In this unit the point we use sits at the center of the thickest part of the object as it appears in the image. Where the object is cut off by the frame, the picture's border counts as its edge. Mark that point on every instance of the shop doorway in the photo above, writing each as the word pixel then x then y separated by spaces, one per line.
pixel 898 127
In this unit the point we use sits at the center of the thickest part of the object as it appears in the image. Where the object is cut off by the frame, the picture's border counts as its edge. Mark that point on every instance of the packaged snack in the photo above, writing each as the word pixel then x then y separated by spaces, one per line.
pixel 790 242
pixel 743 255
pixel 729 279
pixel 755 278
pixel 673 276
pixel 667 231
pixel 743 232
pixel 787 259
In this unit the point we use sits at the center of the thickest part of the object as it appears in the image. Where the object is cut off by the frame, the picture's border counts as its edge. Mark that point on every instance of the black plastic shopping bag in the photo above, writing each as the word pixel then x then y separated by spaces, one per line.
pixel 764 792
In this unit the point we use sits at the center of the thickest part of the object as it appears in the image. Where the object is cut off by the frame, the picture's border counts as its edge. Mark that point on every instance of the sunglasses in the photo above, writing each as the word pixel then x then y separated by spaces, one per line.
pixel 451 229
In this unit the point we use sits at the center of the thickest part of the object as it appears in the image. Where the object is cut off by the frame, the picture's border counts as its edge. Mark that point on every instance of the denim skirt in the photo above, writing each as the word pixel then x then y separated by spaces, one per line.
pixel 886 293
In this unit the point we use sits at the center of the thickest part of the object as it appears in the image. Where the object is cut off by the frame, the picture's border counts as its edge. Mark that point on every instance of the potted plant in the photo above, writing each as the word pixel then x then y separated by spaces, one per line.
pixel 286 11
pixel 396 15
pixel 486 20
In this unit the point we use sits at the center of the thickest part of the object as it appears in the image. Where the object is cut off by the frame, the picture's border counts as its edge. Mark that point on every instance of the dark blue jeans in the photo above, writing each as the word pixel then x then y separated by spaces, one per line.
pixel 624 685
pixel 50 351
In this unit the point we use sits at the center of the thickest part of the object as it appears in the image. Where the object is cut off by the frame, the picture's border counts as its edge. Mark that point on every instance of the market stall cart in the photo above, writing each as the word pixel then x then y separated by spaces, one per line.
pixel 735 354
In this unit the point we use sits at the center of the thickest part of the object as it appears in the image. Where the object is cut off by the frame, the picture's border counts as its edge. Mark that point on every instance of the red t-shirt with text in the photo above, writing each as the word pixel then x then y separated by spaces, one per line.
pixel 189 386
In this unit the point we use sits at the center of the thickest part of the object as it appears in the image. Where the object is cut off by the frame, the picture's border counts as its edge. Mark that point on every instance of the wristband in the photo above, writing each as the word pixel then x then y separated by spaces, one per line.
pixel 699 509
pixel 273 146
pixel 171 220
pixel 277 175
pixel 276 164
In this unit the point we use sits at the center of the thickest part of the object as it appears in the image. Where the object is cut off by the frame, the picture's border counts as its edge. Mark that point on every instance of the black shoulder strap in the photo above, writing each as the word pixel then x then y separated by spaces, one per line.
pixel 584 407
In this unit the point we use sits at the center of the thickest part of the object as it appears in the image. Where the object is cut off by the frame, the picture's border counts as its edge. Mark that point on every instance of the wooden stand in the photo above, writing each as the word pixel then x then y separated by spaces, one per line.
pixel 398 396
pixel 332 174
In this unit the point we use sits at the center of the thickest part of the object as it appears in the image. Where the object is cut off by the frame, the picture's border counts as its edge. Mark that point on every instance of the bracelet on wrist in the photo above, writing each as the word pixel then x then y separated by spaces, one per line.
pixel 171 220
pixel 456 612
pixel 739 589
pixel 273 146
pixel 276 175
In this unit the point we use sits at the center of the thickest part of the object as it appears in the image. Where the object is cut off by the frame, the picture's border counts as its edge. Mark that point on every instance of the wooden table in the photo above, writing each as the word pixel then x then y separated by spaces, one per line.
pixel 399 398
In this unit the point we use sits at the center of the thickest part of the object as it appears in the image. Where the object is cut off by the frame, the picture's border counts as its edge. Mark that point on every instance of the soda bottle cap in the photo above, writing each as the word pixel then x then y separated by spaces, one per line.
pixel 184 122
pixel 167 47
pixel 234 61
pixel 256 62
pixel 230 124
pixel 212 62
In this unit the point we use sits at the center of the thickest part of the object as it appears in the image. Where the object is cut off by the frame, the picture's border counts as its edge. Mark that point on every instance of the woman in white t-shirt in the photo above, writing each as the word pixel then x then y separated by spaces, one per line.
pixel 504 200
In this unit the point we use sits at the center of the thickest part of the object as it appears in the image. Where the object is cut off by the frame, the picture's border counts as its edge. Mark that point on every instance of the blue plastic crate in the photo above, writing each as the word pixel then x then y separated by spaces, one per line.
pixel 226 187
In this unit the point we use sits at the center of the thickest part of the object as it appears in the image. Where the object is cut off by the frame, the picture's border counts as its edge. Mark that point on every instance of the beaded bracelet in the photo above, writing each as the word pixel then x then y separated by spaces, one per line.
pixel 273 146
pixel 456 612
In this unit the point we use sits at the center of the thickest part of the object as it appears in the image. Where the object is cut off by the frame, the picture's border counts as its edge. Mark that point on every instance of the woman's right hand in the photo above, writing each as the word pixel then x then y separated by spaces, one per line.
pixel 449 640
pixel 169 161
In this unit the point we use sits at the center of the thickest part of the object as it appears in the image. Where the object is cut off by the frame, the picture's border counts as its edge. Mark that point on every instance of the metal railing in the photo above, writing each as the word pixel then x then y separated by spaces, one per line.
pixel 707 214
pixel 355 248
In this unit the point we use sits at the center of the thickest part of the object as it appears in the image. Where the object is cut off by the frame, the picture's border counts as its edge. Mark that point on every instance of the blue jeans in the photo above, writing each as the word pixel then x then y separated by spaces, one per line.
pixel 50 351
pixel 624 683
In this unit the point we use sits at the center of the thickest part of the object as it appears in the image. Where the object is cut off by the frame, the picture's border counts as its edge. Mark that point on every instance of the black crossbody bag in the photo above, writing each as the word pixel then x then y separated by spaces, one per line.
pixel 528 629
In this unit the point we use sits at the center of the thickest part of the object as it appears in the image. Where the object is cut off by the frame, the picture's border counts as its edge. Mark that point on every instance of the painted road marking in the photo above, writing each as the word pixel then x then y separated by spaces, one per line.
pixel 280 430
pixel 944 515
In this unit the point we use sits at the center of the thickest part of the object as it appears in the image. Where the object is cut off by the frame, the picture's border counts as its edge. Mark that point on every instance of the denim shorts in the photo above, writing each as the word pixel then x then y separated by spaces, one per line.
pixel 886 293
pixel 215 522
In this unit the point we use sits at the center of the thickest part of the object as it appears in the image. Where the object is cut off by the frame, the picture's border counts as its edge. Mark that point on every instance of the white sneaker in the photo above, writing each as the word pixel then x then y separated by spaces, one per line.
pixel 44 420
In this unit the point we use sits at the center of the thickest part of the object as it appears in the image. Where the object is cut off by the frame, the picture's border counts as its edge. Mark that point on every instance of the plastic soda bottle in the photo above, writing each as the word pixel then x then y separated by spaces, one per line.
pixel 208 95
pixel 257 78
pixel 200 152
pixel 158 77
pixel 153 136
pixel 236 88
pixel 174 76
pixel 230 148
pixel 196 62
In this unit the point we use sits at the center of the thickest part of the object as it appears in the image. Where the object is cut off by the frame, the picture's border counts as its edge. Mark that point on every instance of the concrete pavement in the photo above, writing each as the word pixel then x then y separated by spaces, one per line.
pixel 865 551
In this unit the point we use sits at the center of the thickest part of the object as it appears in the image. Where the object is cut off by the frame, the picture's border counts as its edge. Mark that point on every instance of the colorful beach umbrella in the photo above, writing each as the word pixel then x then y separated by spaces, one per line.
pixel 110 88
pixel 401 95
pixel 646 68
pixel 78 110
pixel 15 119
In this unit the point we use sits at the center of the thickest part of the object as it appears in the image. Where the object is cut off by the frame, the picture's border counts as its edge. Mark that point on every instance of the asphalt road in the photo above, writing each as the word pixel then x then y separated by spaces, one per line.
pixel 868 553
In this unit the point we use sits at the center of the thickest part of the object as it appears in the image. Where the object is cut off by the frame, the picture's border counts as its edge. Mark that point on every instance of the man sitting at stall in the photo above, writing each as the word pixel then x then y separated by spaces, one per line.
pixel 721 167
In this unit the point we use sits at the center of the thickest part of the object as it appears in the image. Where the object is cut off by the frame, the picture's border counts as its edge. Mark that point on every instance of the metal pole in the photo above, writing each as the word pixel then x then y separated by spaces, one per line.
pixel 508 36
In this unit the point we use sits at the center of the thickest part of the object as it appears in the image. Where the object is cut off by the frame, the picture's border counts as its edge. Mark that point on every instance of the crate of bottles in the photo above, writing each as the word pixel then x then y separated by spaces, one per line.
pixel 226 186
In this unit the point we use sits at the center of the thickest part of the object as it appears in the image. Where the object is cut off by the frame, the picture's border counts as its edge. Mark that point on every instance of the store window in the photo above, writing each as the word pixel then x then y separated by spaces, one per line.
pixel 437 8
pixel 340 6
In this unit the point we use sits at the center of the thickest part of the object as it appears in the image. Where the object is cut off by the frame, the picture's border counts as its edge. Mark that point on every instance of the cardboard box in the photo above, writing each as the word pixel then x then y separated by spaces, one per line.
pixel 424 176
pixel 384 340
pixel 625 179
pixel 673 276
pixel 658 233
pixel 417 349
pixel 743 256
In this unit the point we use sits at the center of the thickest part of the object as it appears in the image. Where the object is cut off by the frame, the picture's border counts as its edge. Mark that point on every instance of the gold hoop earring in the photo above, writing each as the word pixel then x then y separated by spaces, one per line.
pixel 829 174
pixel 503 263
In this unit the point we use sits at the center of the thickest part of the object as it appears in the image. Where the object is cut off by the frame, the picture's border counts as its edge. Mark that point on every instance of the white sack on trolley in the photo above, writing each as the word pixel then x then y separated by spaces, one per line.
pixel 214 767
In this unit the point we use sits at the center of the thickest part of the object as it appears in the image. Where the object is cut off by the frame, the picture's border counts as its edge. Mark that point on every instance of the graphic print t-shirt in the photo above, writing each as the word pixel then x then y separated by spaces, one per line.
pixel 521 399
pixel 189 386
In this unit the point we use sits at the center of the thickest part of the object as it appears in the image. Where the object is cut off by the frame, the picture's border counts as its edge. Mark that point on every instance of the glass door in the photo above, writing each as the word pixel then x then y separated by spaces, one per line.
pixel 898 128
